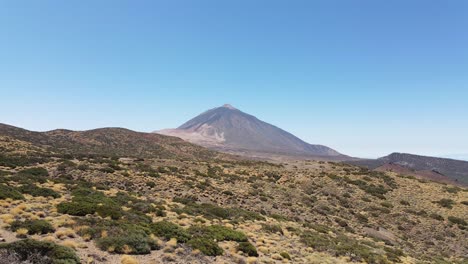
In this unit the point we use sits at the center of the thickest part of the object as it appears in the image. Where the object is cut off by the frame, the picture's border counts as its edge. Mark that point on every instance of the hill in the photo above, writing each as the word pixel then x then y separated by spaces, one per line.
pixel 104 141
pixel 433 168
pixel 230 130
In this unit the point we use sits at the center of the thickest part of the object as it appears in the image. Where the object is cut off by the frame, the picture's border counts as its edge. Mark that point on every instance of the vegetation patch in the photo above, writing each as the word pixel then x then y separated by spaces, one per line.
pixel 42 252
pixel 35 191
pixel 39 227
pixel 211 211
pixel 10 192
pixel 344 246
pixel 206 245
pixel 248 249
pixel 447 203
pixel 218 233
pixel 170 230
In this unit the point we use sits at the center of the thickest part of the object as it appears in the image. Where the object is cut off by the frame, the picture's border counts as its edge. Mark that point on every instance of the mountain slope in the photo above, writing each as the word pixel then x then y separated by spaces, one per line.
pixel 229 129
pixel 105 141
pixel 439 169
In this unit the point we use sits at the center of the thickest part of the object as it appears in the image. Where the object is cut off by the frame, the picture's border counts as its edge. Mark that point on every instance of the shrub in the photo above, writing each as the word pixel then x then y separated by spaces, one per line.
pixel 342 246
pixel 35 191
pixel 436 217
pixel 272 228
pixel 213 211
pixel 457 220
pixel 39 227
pixel 206 245
pixel 76 209
pixel 285 255
pixel 248 249
pixel 151 184
pixel 131 243
pixel 120 236
pixel 35 172
pixel 111 211
pixel 14 161
pixel 50 252
pixel 447 203
pixel 218 233
pixel 404 202
pixel 169 230
pixel 88 201
pixel 386 204
pixel 9 192
pixel 62 167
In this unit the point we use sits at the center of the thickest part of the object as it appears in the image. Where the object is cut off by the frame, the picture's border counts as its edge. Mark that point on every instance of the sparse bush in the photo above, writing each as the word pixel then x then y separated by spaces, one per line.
pixel 218 233
pixel 248 249
pixel 48 252
pixel 35 191
pixel 131 243
pixel 151 184
pixel 213 211
pixel 169 230
pixel 9 192
pixel 436 217
pixel 285 255
pixel 404 202
pixel 447 203
pixel 35 172
pixel 206 245
pixel 456 220
pixel 272 228
pixel 77 209
pixel 39 227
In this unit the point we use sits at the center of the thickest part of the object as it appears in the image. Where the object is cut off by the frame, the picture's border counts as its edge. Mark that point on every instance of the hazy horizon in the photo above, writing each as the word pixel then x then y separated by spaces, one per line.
pixel 366 80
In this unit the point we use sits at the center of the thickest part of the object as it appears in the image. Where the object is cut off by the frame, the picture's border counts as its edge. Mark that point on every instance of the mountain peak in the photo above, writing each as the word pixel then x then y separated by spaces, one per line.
pixel 228 106
pixel 228 129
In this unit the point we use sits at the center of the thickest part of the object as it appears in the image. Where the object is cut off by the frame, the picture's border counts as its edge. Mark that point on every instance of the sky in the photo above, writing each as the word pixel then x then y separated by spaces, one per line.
pixel 365 77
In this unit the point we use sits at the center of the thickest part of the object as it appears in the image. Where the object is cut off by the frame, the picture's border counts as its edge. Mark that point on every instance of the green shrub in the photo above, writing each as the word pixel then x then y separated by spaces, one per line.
pixel 76 209
pixel 285 255
pixel 386 204
pixel 248 249
pixel 66 164
pixel 169 230
pixel 457 220
pixel 343 246
pixel 272 228
pixel 447 203
pixel 151 184
pixel 10 192
pixel 14 161
pixel 213 211
pixel 39 227
pixel 52 253
pixel 453 189
pixel 218 233
pixel 35 172
pixel 206 245
pixel 35 191
pixel 436 217
pixel 138 243
pixel 404 202
pixel 111 211
pixel 88 201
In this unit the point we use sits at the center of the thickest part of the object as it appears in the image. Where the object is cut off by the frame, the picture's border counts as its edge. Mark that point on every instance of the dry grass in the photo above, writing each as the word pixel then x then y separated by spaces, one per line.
pixel 126 259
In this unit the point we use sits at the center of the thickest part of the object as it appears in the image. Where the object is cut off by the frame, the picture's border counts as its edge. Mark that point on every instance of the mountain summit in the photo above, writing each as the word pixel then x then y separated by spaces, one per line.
pixel 228 129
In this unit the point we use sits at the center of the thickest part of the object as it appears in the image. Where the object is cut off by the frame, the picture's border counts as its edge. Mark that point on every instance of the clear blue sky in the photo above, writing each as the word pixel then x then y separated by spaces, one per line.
pixel 364 77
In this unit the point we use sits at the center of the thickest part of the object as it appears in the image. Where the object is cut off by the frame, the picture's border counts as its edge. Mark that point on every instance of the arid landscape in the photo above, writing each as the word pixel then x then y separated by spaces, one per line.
pixel 233 132
pixel 66 199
